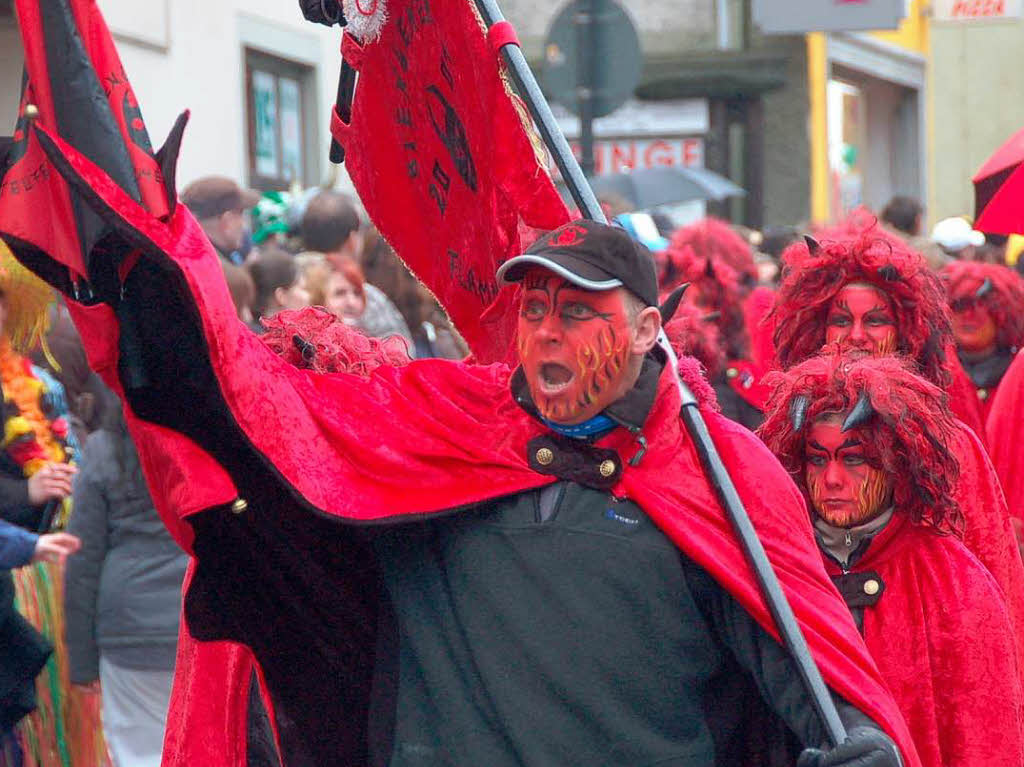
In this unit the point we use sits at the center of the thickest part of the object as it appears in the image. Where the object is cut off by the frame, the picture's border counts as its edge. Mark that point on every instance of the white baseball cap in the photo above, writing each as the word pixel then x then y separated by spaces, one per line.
pixel 956 233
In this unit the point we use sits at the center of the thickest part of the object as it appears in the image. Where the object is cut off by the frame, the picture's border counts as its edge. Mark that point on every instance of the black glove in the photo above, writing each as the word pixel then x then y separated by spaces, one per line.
pixel 326 12
pixel 865 747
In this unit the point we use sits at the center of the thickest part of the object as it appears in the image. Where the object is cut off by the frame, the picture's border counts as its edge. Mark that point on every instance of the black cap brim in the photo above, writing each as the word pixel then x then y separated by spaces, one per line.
pixel 566 265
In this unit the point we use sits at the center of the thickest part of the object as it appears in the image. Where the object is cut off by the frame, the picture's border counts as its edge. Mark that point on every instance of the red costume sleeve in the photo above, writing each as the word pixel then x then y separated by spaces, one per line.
pixel 942 640
pixel 988 533
pixel 963 396
pixel 1004 435
pixel 760 330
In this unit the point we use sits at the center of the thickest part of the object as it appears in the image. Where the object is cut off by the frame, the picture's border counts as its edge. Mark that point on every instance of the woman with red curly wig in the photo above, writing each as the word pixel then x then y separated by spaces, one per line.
pixel 870 294
pixel 866 439
pixel 987 303
pixel 868 290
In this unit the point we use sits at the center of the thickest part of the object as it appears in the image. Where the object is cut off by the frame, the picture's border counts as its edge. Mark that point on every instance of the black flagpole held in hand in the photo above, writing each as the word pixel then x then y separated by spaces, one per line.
pixel 714 469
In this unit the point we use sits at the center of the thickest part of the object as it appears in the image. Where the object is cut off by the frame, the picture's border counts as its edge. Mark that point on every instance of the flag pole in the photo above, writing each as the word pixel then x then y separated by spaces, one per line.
pixel 547 125
pixel 715 470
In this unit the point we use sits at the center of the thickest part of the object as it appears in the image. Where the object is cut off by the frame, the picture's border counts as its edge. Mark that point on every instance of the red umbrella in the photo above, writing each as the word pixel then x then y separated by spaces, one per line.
pixel 999 189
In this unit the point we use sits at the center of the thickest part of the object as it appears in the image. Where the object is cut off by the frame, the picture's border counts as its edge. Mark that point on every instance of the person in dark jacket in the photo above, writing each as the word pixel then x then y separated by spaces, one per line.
pixel 123 596
pixel 23 650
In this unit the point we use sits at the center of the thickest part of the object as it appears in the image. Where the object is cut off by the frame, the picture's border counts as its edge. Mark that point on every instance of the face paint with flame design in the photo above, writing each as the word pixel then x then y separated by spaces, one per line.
pixel 861 321
pixel 845 489
pixel 573 345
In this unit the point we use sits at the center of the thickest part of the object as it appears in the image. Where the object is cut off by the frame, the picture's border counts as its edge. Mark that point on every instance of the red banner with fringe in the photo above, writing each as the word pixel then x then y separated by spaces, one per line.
pixel 440 153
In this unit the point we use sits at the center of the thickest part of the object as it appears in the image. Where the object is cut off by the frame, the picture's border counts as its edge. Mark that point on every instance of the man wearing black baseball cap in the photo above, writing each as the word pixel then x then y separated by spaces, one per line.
pixel 589 317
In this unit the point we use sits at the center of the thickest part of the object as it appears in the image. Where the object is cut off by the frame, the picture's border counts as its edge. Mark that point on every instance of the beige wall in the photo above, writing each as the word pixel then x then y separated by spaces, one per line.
pixel 977 101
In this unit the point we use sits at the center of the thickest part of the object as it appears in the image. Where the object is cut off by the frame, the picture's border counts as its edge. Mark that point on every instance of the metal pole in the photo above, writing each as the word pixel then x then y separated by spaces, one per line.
pixel 549 129
pixel 586 78
pixel 771 589
pixel 715 470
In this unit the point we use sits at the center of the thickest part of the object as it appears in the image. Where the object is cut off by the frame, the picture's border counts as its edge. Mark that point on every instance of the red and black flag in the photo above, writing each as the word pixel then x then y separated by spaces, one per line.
pixel 76 102
pixel 444 157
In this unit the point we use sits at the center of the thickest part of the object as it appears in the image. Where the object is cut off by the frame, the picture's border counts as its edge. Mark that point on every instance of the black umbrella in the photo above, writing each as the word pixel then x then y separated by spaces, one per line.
pixel 666 185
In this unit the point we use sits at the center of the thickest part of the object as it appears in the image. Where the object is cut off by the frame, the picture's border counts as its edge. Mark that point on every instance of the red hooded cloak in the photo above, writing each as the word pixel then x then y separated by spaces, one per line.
pixel 941 637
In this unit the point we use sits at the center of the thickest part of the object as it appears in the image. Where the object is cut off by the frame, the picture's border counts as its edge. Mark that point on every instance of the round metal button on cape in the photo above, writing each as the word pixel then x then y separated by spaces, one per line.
pixel 607 468
pixel 239 506
pixel 545 456
pixel 872 587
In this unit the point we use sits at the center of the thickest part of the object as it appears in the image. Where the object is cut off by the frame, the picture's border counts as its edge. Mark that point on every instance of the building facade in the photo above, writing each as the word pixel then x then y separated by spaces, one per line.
pixel 977 103
pixel 713 92
pixel 869 114
pixel 810 125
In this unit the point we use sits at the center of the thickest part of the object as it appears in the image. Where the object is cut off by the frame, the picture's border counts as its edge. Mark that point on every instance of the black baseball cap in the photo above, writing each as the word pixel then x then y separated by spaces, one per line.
pixel 591 255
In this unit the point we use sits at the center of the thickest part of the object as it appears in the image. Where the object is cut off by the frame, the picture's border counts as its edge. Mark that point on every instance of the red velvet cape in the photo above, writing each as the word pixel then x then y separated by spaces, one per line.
pixel 988 532
pixel 942 639
pixel 1003 428
pixel 424 438
pixel 963 396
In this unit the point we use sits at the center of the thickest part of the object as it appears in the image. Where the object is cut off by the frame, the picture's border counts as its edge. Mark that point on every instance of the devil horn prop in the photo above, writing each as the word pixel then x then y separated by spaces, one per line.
pixel 889 273
pixel 862 412
pixel 986 288
pixel 812 244
pixel 668 309
pixel 306 349
pixel 798 411
pixel 167 159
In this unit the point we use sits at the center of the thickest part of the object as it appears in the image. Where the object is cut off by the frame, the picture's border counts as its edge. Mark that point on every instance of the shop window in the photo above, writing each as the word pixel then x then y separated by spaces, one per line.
pixel 280 108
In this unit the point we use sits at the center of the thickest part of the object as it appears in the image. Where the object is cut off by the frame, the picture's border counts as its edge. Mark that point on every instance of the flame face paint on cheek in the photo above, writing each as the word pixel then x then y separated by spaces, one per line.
pixel 872 493
pixel 856 499
pixel 844 489
pixel 574 346
pixel 601 362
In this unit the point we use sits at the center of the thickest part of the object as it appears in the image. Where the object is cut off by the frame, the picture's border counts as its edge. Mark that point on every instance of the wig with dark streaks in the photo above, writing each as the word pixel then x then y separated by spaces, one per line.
pixel 314 339
pixel 716 239
pixel 908 434
pixel 692 334
pixel 845 255
pixel 1003 296
pixel 719 287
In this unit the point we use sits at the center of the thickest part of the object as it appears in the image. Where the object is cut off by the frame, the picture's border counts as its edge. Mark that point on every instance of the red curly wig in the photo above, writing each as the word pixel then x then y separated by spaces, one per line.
pixel 811 280
pixel 1003 296
pixel 908 434
pixel 715 239
pixel 692 334
pixel 719 288
pixel 314 339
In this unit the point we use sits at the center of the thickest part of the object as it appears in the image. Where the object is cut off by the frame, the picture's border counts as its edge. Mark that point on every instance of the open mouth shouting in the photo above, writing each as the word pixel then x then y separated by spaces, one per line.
pixel 554 378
